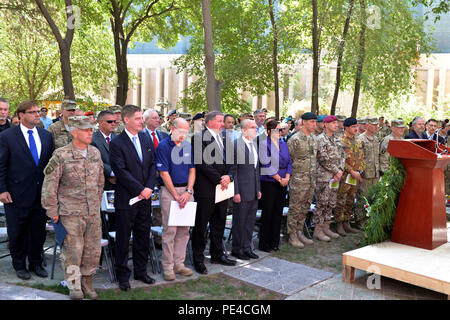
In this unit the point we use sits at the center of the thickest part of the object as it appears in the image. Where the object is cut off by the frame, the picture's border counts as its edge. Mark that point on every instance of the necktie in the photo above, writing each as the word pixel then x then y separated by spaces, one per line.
pixel 137 148
pixel 219 141
pixel 33 147
pixel 155 140
pixel 107 140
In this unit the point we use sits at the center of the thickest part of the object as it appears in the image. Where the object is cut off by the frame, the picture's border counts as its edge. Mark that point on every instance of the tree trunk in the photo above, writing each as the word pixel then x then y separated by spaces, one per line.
pixel 340 55
pixel 275 60
pixel 315 79
pixel 213 86
pixel 66 71
pixel 361 56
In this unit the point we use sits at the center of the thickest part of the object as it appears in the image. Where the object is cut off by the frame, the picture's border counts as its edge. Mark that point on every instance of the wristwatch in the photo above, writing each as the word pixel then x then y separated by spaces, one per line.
pixel 189 191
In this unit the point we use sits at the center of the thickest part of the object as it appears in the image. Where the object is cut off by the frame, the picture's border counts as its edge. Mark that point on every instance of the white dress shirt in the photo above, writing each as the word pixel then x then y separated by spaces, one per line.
pixel 36 137
pixel 138 143
pixel 255 153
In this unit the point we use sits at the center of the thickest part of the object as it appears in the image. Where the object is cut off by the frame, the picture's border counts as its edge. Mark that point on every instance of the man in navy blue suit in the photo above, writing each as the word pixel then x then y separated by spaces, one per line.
pixel 132 156
pixel 24 152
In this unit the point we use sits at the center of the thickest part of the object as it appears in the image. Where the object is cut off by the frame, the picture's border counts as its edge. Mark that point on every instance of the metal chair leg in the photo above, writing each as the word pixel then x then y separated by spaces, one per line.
pixel 54 259
pixel 108 264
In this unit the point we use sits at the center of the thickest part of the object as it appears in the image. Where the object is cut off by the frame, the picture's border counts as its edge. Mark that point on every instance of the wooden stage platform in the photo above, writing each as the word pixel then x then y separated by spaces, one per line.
pixel 424 268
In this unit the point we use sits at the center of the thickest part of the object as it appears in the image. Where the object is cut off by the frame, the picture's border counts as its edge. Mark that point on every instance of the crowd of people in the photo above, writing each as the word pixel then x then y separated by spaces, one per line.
pixel 59 168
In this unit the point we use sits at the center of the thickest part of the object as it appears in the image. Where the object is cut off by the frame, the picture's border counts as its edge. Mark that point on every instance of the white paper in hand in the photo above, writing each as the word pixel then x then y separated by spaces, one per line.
pixel 182 217
pixel 134 200
pixel 224 194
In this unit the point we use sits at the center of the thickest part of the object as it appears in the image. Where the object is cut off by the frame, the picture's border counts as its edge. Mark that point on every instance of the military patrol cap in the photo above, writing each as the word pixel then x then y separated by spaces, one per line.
pixel 80 122
pixel 68 104
pixel 362 120
pixel 398 123
pixel 329 119
pixel 372 120
pixel 309 116
pixel 340 117
pixel 171 112
pixel 115 108
pixel 321 118
pixel 349 122
pixel 185 116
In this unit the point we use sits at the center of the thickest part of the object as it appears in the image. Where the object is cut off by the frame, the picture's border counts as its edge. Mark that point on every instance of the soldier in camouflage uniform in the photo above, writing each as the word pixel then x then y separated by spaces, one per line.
pixel 60 129
pixel 383 129
pixel 354 166
pixel 117 110
pixel 171 115
pixel 330 167
pixel 341 130
pixel 371 175
pixel 71 193
pixel 302 148
pixel 362 126
pixel 319 126
pixel 397 127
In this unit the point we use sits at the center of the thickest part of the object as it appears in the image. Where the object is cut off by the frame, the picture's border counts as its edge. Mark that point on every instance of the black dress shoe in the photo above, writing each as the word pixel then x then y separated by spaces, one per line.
pixel 200 268
pixel 276 248
pixel 223 260
pixel 124 286
pixel 39 271
pixel 158 246
pixel 241 256
pixel 145 279
pixel 23 274
pixel 265 249
pixel 251 254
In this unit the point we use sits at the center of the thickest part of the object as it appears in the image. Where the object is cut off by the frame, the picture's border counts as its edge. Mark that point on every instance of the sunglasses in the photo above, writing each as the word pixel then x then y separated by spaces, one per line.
pixel 111 121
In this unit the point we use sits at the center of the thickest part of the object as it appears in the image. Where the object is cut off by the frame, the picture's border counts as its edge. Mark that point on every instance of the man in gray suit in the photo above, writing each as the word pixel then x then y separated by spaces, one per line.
pixel 247 191
pixel 101 139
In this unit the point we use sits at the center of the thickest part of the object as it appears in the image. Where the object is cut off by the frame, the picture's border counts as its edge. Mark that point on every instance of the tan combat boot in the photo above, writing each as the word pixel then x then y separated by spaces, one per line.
pixel 348 228
pixel 318 233
pixel 184 271
pixel 86 287
pixel 326 229
pixel 168 275
pixel 340 229
pixel 76 294
pixel 303 238
pixel 293 241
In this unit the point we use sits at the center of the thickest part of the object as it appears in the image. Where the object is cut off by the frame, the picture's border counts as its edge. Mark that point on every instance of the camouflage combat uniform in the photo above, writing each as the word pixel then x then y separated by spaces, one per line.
pixel 330 160
pixel 384 154
pixel 119 128
pixel 383 132
pixel 61 135
pixel 165 127
pixel 371 175
pixel 354 160
pixel 303 152
pixel 72 190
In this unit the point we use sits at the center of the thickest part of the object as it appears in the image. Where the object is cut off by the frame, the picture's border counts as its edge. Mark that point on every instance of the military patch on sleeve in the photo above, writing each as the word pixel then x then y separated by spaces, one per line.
pixel 51 166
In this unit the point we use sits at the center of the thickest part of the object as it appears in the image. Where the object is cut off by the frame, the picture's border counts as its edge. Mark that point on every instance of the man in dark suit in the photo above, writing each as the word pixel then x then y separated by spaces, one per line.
pixel 418 127
pixel 101 139
pixel 209 147
pixel 24 152
pixel 133 162
pixel 430 132
pixel 247 191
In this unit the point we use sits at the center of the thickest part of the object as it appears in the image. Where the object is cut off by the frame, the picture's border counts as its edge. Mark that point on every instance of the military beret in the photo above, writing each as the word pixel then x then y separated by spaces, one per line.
pixel 329 119
pixel 398 123
pixel 321 118
pixel 309 116
pixel 362 120
pixel 350 121
pixel 68 104
pixel 198 116
pixel 340 117
pixel 172 112
pixel 89 113
pixel 80 122
pixel 371 120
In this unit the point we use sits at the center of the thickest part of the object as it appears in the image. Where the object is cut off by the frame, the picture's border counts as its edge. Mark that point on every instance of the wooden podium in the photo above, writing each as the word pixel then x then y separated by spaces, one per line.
pixel 420 219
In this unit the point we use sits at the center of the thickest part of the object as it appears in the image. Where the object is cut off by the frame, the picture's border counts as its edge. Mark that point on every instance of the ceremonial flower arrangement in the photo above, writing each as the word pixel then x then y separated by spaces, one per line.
pixel 381 204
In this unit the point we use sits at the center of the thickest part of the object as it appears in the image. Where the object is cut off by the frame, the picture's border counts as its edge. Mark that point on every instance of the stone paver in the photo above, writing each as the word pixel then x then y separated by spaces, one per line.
pixel 11 292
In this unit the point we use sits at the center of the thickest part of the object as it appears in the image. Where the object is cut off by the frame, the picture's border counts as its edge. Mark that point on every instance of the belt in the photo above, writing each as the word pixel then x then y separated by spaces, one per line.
pixel 177 185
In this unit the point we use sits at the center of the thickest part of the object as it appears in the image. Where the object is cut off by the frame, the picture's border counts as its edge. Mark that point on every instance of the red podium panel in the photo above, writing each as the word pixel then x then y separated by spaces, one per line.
pixel 420 219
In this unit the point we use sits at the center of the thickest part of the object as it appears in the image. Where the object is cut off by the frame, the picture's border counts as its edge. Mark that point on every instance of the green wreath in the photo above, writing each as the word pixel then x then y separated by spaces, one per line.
pixel 381 204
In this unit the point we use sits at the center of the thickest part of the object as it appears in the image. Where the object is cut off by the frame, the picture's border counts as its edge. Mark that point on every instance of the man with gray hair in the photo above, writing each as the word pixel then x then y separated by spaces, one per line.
pixel 259 116
pixel 418 127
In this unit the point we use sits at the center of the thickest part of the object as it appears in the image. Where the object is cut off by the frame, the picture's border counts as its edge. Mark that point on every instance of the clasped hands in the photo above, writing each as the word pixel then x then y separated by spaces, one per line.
pixel 146 194
pixel 225 181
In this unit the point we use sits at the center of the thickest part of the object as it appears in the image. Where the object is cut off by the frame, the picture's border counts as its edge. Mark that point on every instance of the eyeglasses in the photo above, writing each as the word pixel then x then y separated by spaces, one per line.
pixel 111 121
pixel 32 112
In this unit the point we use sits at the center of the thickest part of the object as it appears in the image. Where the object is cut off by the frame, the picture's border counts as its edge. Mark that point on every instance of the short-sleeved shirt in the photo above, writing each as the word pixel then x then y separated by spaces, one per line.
pixel 176 160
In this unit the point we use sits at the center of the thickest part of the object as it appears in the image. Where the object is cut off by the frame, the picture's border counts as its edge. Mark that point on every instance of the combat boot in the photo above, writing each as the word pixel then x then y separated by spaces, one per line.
pixel 293 241
pixel 76 294
pixel 340 229
pixel 318 233
pixel 328 232
pixel 348 228
pixel 86 287
pixel 303 238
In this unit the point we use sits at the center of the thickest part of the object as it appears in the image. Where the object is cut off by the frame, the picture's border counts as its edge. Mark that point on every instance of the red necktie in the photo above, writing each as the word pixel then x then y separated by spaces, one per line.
pixel 107 140
pixel 155 140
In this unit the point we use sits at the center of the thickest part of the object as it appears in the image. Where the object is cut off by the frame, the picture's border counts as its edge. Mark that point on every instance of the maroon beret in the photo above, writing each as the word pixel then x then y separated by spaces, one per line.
pixel 329 119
